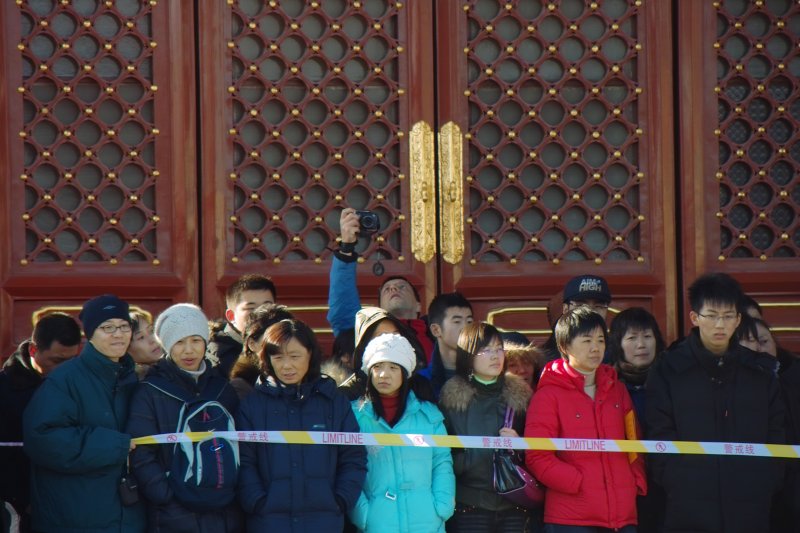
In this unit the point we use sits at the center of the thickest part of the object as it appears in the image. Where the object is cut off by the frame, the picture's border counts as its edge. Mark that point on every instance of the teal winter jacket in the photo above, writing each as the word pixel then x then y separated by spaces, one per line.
pixel 73 430
pixel 408 490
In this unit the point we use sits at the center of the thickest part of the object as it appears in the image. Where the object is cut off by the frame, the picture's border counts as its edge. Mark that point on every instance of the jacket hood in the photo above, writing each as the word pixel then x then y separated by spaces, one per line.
pixel 19 366
pixel 457 393
pixel 558 373
pixel 366 317
pixel 336 371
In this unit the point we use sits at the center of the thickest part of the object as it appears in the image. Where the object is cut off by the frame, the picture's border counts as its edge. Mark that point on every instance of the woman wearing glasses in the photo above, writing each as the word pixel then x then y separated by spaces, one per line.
pixel 74 430
pixel 475 402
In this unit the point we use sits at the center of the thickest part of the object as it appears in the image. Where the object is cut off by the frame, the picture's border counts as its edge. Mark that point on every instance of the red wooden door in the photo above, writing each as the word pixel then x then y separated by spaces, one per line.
pixel 740 150
pixel 308 108
pixel 98 171
pixel 557 156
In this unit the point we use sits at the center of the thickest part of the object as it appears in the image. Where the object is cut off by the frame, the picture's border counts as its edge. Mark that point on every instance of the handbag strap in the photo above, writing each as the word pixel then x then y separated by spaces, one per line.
pixel 509 420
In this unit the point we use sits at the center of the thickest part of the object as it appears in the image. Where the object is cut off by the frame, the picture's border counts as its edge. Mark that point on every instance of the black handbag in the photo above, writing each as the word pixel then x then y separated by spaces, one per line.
pixel 511 480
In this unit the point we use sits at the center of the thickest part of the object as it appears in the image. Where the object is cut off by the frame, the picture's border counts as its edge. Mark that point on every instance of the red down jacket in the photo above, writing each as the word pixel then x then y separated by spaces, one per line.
pixel 584 488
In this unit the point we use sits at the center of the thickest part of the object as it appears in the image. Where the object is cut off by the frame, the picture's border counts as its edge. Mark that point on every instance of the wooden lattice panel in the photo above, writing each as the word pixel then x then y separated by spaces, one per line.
pixel 758 100
pixel 317 123
pixel 555 170
pixel 89 132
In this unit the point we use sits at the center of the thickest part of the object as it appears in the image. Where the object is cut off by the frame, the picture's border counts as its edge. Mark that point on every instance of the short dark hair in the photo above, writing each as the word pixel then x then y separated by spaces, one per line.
pixel 441 303
pixel 344 345
pixel 260 320
pixel 139 320
pixel 392 278
pixel 715 288
pixel 636 319
pixel 54 327
pixel 473 338
pixel 248 282
pixel 748 302
pixel 748 327
pixel 279 334
pixel 577 322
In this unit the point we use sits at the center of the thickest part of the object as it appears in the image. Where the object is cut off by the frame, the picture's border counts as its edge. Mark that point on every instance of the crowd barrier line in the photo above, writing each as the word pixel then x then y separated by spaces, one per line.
pixel 744 449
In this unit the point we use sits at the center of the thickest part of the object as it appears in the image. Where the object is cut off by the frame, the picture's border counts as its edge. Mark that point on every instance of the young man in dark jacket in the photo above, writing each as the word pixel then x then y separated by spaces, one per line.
pixel 242 298
pixel 74 431
pixel 709 388
pixel 56 338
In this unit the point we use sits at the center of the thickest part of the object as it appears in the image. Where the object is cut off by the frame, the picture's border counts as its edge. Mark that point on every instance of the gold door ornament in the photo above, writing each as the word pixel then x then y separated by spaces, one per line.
pixel 423 206
pixel 451 199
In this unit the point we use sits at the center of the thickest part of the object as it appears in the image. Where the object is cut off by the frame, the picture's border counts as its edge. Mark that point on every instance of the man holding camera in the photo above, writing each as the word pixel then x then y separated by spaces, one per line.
pixel 396 295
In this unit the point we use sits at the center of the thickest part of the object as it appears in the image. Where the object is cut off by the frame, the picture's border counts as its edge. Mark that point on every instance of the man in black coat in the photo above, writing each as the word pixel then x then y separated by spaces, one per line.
pixel 709 388
pixel 55 339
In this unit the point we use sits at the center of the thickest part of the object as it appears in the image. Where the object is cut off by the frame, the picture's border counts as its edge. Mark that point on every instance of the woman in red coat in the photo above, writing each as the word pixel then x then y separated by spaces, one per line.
pixel 578 397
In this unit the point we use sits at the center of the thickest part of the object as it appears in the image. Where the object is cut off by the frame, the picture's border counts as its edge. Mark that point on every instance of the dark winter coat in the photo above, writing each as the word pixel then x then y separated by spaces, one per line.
pixel 153 412
pixel 18 381
pixel 294 487
pixel 585 488
pixel 693 395
pixel 787 510
pixel 73 429
pixel 471 408
pixel 224 349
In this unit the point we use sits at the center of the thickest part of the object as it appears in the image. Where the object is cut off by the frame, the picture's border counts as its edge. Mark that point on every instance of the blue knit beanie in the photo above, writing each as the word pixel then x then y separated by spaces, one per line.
pixel 102 308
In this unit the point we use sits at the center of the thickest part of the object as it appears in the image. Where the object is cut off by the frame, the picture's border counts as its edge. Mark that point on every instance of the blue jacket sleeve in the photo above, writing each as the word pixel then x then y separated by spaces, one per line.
pixel 343 299
pixel 54 437
pixel 149 472
pixel 252 494
pixel 351 466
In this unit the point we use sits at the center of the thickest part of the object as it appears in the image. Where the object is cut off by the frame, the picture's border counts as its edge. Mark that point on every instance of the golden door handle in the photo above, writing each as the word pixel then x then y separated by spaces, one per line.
pixel 451 202
pixel 422 176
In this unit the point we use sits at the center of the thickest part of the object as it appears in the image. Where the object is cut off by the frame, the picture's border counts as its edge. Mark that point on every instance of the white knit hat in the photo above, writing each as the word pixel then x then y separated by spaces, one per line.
pixel 178 322
pixel 392 348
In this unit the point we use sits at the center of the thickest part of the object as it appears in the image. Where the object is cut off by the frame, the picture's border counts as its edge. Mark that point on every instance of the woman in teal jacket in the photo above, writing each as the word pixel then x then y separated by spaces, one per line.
pixel 408 489
pixel 74 431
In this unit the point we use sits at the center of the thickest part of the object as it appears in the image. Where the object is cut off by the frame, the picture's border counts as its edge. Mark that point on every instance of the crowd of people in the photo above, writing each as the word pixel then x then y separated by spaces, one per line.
pixel 78 406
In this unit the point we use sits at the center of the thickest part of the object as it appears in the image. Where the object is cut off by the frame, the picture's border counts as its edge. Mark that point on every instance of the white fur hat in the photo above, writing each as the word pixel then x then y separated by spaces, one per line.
pixel 178 322
pixel 392 348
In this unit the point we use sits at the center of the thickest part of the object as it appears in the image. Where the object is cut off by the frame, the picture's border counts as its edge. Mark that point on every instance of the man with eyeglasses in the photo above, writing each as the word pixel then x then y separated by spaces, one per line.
pixel 73 431
pixel 587 290
pixel 709 388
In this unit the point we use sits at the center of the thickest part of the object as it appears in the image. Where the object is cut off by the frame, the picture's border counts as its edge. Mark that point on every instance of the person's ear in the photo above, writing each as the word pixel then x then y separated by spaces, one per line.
pixel 229 315
pixel 33 349
pixel 436 330
pixel 694 318
pixel 564 308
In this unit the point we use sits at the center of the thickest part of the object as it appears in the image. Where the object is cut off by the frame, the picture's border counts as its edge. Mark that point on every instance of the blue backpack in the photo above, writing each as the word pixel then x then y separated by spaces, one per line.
pixel 202 474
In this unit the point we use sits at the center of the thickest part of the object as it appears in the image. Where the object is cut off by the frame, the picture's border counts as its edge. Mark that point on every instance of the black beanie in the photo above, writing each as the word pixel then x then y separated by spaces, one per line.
pixel 102 308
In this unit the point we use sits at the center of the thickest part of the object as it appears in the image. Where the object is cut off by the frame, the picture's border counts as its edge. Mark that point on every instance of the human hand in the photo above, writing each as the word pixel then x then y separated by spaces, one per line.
pixel 348 225
pixel 132 447
pixel 508 432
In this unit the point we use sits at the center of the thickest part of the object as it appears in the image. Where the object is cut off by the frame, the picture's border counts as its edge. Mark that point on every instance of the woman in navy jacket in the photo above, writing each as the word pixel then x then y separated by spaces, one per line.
pixel 297 487
pixel 156 408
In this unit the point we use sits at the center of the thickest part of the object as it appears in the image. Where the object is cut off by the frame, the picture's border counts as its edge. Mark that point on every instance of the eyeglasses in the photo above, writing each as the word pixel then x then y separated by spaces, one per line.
pixel 488 352
pixel 110 329
pixel 726 319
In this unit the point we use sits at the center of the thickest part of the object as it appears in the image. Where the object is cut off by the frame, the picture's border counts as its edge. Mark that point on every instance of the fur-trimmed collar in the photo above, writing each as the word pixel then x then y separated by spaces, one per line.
pixel 457 393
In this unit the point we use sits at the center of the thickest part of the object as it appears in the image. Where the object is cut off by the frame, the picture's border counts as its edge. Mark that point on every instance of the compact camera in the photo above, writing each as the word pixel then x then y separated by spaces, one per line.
pixel 368 222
